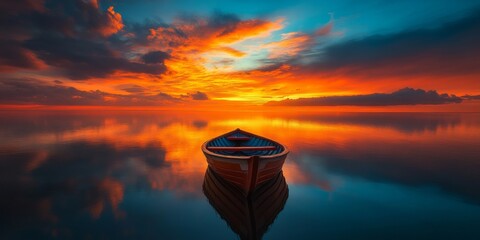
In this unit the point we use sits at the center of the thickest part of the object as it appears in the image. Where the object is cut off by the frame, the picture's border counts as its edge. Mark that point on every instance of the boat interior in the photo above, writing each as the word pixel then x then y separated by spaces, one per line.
pixel 239 143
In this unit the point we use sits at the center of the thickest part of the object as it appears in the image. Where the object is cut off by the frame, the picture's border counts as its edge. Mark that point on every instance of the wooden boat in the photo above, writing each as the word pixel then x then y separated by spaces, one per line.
pixel 245 159
pixel 248 216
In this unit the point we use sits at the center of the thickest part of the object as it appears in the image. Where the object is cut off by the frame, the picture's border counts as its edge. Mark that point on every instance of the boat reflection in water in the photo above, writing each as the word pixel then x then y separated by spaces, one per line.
pixel 248 216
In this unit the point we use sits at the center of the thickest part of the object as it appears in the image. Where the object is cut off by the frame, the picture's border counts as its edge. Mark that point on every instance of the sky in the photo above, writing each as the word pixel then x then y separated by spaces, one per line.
pixel 186 53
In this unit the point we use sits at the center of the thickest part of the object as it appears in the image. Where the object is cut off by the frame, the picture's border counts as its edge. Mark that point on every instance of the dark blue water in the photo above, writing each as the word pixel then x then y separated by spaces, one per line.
pixel 139 175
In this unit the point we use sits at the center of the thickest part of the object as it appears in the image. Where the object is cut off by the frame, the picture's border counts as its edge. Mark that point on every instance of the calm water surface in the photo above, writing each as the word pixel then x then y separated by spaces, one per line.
pixel 137 175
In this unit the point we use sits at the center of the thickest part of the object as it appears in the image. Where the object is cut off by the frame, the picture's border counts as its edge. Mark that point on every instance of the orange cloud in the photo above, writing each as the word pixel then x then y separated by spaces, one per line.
pixel 325 30
pixel 165 36
pixel 290 45
pixel 231 51
pixel 92 2
pixel 200 36
pixel 249 29
pixel 113 23
pixel 113 192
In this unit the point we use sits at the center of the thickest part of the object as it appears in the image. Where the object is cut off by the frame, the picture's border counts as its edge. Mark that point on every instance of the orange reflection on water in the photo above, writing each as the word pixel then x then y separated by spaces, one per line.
pixel 178 165
pixel 112 192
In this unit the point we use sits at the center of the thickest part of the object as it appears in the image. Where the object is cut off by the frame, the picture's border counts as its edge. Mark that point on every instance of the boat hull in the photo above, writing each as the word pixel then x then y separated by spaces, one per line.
pixel 246 173
pixel 247 169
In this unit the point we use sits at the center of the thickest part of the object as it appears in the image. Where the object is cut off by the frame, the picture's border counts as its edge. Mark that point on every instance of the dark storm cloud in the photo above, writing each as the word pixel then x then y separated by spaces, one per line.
pixel 199 124
pixel 155 57
pixel 17 91
pixel 132 88
pixel 405 96
pixel 199 96
pixel 449 49
pixel 12 54
pixel 165 96
pixel 227 22
pixel 470 97
pixel 76 37
pixel 31 91
pixel 19 6
pixel 140 33
pixel 81 58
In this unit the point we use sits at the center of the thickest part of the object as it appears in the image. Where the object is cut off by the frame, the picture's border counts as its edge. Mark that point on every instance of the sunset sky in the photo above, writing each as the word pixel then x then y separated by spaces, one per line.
pixel 186 53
